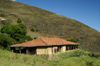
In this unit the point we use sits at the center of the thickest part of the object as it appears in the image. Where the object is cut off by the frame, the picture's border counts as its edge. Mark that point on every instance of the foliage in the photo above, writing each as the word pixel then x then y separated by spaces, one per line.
pixel 32 30
pixel 6 41
pixel 19 20
pixel 76 53
pixel 72 40
pixel 23 27
pixel 11 29
pixel 13 59
pixel 35 37
pixel 18 32
pixel 28 38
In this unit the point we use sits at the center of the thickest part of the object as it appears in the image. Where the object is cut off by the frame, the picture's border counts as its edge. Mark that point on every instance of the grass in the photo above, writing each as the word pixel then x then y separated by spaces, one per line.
pixel 49 24
pixel 12 59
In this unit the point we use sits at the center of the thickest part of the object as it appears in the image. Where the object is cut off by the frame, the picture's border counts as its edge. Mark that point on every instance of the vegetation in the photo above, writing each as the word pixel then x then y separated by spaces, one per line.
pixel 32 30
pixel 13 59
pixel 19 20
pixel 50 24
pixel 13 34
pixel 17 32
pixel 6 41
pixel 72 40
pixel 12 30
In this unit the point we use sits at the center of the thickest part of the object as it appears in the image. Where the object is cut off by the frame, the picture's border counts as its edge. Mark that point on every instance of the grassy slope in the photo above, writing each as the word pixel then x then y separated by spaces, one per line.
pixel 50 24
pixel 11 59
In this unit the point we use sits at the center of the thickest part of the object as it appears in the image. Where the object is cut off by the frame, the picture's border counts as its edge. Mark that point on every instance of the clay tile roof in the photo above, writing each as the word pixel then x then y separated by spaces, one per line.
pixel 45 42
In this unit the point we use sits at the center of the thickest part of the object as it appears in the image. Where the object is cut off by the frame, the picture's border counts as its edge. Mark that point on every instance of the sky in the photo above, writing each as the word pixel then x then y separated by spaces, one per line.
pixel 85 11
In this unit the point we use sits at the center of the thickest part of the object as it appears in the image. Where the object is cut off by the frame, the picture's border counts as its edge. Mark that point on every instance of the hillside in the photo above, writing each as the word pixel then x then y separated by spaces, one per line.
pixel 65 59
pixel 48 24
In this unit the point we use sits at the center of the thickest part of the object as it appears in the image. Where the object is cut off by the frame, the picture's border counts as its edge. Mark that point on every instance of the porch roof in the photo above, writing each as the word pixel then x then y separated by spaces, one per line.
pixel 45 42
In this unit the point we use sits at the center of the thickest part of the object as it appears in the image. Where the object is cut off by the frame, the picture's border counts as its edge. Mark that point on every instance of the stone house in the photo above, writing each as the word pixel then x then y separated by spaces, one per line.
pixel 44 46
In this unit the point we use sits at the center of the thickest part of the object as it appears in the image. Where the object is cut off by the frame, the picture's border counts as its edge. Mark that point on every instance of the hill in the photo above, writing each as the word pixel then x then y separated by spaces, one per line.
pixel 48 24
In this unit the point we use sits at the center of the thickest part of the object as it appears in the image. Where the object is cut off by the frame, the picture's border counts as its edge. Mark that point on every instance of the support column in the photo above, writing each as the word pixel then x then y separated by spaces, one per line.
pixel 73 47
pixel 20 50
pixel 68 47
pixel 52 50
pixel 63 49
pixel 47 51
pixel 27 50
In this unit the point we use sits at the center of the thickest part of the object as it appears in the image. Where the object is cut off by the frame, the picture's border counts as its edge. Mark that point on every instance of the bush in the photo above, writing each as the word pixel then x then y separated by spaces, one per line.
pixel 73 40
pixel 32 30
pixel 28 38
pixel 15 31
pixel 24 32
pixel 35 37
pixel 6 41
pixel 23 27
pixel 19 20
pixel 11 29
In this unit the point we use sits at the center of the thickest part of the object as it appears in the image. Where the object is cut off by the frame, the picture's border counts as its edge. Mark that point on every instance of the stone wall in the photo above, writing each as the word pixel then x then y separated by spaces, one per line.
pixel 63 49
pixel 41 50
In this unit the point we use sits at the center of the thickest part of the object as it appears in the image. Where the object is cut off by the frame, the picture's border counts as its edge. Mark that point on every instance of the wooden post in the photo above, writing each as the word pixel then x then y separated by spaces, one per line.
pixel 68 47
pixel 47 50
pixel 52 50
pixel 26 50
pixel 20 50
pixel 73 47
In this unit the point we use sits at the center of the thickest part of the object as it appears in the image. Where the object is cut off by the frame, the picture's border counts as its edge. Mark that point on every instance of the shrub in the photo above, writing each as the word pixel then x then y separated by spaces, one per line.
pixel 15 31
pixel 19 20
pixel 23 27
pixel 28 38
pixel 11 29
pixel 35 37
pixel 6 41
pixel 24 32
pixel 32 30
pixel 72 40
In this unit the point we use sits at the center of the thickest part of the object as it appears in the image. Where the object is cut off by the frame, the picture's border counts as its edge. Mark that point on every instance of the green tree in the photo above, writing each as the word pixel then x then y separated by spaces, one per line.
pixel 32 30
pixel 19 20
pixel 23 27
pixel 11 30
pixel 6 41
pixel 17 32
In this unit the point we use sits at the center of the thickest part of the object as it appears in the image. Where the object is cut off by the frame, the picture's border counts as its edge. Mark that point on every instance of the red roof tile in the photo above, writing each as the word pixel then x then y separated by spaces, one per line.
pixel 45 42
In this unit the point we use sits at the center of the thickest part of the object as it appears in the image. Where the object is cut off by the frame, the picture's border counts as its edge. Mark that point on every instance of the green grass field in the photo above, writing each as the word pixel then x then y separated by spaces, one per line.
pixel 65 59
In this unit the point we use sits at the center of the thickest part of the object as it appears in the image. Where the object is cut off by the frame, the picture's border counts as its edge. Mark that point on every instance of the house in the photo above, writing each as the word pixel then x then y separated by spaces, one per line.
pixel 44 46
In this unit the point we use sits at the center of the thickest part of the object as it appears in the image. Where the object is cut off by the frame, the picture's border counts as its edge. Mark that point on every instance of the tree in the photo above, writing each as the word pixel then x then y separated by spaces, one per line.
pixel 19 20
pixel 32 30
pixel 23 27
pixel 11 30
pixel 6 41
pixel 17 32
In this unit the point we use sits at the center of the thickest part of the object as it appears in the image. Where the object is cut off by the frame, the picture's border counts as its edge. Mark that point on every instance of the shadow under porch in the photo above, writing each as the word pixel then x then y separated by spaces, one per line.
pixel 71 47
pixel 24 50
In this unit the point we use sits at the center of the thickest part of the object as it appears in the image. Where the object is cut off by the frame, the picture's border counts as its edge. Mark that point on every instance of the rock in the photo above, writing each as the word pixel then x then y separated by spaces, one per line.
pixel 4 21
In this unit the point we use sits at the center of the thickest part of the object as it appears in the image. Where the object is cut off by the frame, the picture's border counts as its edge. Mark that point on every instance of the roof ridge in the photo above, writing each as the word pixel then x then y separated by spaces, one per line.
pixel 44 42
